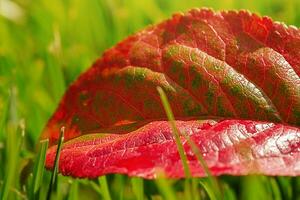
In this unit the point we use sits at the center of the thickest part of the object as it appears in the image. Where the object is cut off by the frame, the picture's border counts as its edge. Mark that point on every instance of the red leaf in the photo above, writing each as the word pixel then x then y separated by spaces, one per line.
pixel 233 65
pixel 236 147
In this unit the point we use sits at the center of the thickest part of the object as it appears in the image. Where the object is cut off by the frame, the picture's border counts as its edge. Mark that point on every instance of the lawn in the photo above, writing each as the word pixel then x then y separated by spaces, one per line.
pixel 45 45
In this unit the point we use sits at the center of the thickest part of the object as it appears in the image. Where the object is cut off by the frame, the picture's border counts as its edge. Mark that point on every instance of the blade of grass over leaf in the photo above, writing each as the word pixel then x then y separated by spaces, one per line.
pixel 138 187
pixel 189 185
pixel 212 180
pixel 104 188
pixel 56 163
pixel 171 119
pixel 38 170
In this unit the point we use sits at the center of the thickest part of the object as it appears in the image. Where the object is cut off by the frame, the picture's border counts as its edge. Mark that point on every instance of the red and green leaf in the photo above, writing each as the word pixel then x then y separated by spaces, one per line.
pixel 236 147
pixel 231 69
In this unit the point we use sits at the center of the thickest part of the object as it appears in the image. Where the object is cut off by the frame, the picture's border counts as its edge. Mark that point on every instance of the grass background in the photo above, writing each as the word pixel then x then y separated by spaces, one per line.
pixel 45 45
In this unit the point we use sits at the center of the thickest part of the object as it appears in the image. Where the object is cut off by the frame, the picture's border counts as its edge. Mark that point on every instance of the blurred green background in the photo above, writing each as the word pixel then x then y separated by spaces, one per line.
pixel 46 44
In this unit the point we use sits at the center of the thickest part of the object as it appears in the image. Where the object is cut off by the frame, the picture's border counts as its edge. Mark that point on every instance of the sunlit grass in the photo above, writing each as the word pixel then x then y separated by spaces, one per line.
pixel 45 45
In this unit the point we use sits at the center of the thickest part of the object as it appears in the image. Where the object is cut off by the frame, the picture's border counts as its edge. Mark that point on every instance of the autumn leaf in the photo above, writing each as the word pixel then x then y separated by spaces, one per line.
pixel 236 147
pixel 236 71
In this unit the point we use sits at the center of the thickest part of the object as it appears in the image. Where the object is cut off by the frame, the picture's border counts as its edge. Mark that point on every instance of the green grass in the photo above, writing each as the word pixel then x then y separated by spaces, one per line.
pixel 45 45
pixel 56 163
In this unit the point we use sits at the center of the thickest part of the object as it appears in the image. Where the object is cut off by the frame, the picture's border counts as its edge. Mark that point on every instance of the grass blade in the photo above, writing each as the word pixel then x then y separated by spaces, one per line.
pixel 73 193
pixel 275 188
pixel 56 163
pixel 189 187
pixel 4 109
pixel 175 131
pixel 11 163
pixel 213 182
pixel 104 188
pixel 209 190
pixel 255 187
pixel 285 185
pixel 11 152
pixel 165 188
pixel 96 187
pixel 138 187
pixel 121 181
pixel 38 169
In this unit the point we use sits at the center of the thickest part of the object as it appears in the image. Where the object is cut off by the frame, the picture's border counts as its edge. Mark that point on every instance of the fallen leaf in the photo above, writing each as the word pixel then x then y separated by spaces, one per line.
pixel 237 70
